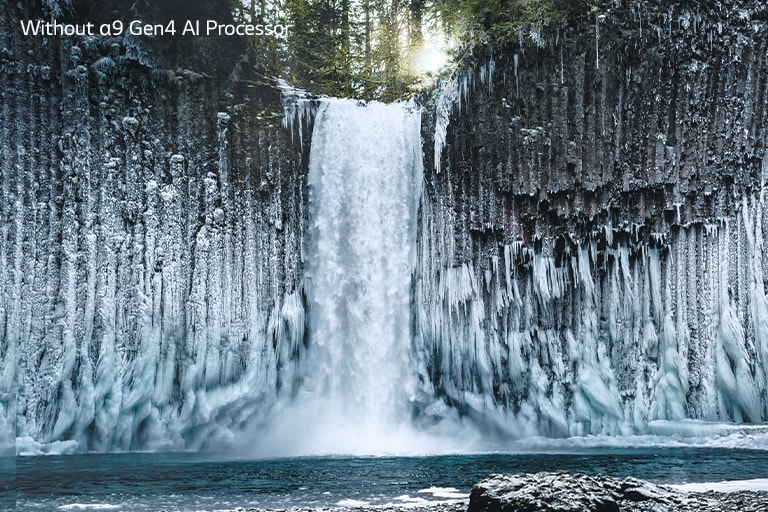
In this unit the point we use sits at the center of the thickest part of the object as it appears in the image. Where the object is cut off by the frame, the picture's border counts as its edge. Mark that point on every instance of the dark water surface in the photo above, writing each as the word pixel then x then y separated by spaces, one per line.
pixel 188 482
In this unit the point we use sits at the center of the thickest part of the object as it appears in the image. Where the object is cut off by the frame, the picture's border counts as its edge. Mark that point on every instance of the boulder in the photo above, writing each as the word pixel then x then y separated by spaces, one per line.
pixel 565 492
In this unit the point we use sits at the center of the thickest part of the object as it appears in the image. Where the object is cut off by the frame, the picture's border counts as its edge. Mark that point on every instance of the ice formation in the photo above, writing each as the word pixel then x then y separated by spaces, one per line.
pixel 146 295
pixel 599 342
pixel 166 282
pixel 453 92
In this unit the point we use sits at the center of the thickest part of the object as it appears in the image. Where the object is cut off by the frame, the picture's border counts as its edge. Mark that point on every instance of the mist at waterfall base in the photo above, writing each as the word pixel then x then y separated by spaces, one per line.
pixel 351 392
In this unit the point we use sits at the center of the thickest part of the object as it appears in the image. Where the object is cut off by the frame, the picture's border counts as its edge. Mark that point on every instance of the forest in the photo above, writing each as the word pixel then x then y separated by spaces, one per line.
pixel 366 49
pixel 369 48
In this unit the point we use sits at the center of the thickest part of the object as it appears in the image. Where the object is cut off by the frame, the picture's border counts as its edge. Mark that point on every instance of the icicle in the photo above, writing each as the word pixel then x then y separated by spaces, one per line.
pixel 516 60
pixel 449 95
pixel 597 41
pixel 298 107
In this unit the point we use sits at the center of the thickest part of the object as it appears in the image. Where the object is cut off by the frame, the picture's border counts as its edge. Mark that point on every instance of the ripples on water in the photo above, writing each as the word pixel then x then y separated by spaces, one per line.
pixel 186 481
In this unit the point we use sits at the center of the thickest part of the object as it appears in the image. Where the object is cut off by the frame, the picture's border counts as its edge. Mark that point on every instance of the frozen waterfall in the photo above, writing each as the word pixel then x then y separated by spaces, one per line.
pixel 309 297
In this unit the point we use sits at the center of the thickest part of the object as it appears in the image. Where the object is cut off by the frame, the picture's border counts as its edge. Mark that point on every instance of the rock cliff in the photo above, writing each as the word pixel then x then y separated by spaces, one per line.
pixel 152 222
pixel 590 249
pixel 592 253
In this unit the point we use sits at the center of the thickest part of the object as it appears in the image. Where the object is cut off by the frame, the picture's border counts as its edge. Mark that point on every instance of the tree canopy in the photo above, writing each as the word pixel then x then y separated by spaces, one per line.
pixel 366 48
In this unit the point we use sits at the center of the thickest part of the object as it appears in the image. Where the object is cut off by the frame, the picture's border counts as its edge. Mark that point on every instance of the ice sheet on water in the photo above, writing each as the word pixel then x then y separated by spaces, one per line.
pixel 352 503
pixel 413 501
pixel 663 434
pixel 757 484
pixel 695 428
pixel 445 495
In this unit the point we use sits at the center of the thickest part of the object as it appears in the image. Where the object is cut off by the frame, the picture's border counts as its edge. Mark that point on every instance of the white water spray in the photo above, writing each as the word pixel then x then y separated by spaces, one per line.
pixel 365 171
pixel 365 180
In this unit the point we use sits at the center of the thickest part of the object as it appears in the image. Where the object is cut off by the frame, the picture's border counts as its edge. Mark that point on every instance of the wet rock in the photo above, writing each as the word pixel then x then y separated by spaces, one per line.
pixel 565 492
pixel 562 492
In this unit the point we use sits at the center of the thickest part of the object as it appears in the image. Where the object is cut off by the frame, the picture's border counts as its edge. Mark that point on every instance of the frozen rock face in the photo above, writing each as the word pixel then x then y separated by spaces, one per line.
pixel 592 249
pixel 589 249
pixel 150 241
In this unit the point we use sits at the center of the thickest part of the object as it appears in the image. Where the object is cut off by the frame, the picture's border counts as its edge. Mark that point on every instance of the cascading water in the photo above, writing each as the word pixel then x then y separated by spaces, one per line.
pixel 362 237
pixel 354 394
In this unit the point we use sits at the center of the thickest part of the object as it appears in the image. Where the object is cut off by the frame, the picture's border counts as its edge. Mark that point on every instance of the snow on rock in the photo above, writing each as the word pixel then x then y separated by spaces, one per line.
pixel 592 241
pixel 562 492
pixel 565 492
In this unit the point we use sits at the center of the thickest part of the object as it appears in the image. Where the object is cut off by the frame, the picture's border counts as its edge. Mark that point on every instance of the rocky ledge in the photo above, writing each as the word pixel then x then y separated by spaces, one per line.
pixel 565 492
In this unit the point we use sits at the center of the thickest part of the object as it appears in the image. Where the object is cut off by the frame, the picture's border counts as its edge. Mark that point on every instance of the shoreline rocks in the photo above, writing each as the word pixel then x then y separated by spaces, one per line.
pixel 566 492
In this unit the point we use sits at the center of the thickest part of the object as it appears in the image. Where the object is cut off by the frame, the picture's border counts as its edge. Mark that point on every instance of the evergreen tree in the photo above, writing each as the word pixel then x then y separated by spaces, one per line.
pixel 365 48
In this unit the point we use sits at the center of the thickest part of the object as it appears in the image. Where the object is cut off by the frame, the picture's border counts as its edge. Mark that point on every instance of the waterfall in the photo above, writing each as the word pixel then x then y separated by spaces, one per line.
pixel 365 170
pixel 355 390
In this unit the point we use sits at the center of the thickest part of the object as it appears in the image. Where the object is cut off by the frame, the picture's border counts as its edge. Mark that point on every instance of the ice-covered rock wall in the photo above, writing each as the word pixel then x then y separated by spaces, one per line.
pixel 589 254
pixel 592 253
pixel 151 233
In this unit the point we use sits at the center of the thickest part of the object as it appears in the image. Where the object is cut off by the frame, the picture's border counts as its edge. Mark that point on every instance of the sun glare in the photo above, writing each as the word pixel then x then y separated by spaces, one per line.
pixel 433 55
pixel 430 60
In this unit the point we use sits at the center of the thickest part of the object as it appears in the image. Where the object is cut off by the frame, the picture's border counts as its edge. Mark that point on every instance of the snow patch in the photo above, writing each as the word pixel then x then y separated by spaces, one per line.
pixel 757 484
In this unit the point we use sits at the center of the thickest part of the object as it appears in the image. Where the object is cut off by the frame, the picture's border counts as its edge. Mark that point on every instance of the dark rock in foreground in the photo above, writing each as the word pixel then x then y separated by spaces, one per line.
pixel 565 492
